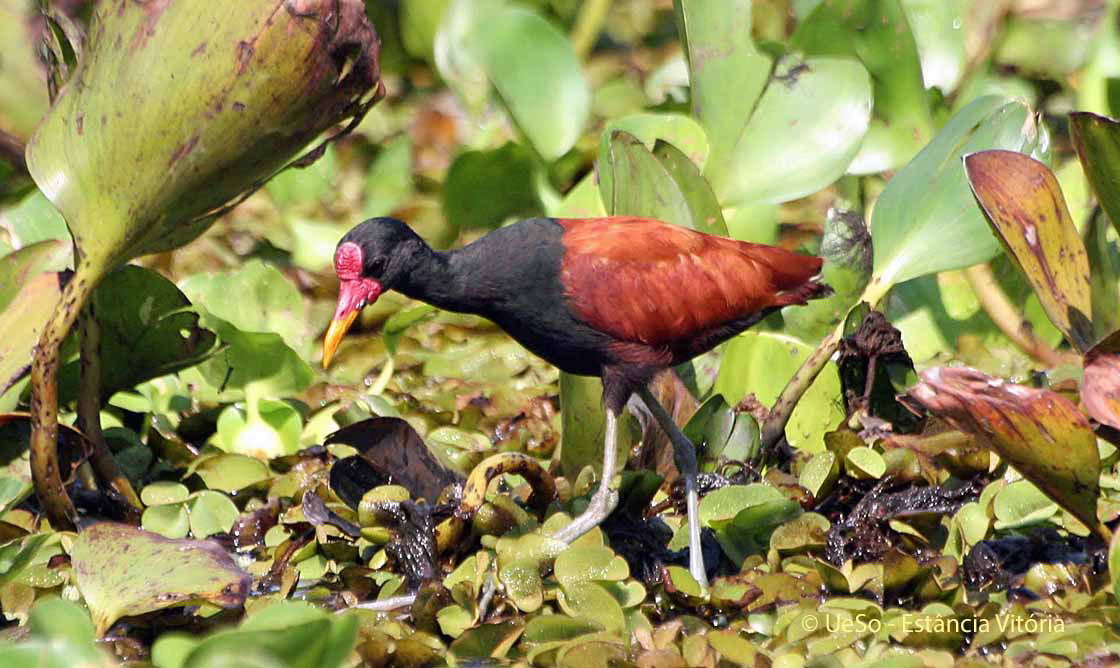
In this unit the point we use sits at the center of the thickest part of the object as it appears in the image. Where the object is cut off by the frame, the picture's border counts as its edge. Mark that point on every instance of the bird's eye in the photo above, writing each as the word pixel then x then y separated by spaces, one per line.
pixel 377 266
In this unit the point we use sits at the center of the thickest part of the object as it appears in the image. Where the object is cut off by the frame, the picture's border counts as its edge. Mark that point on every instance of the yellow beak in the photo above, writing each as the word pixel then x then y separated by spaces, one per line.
pixel 338 328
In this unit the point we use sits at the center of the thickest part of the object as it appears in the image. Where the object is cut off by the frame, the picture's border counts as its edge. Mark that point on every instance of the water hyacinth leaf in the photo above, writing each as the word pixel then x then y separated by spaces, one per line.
pixel 1039 432
pixel 1021 504
pixel 1028 213
pixel 33 220
pixel 1104 274
pixel 877 34
pixel 725 503
pixel 585 563
pixel 484 188
pixel 213 130
pixel 255 297
pixel 940 35
pixel 927 220
pixel 210 513
pixel 1097 140
pixel 23 97
pixel 122 571
pixel 1114 564
pixel 270 430
pixel 147 330
pixel 164 491
pixel 762 363
pixel 722 58
pixel 536 72
pixel 640 184
pixel 704 208
pixel 791 147
pixel 29 291
pixel 848 255
pixel 389 180
pixel 262 360
pixel 492 640
pixel 229 472
pixel 457 63
pixel 681 131
pixel 1100 391
pixel 401 321
pixel 170 520
pixel 590 601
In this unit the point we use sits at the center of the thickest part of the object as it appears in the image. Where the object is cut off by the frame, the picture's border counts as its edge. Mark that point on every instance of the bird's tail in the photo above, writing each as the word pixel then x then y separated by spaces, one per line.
pixel 801 294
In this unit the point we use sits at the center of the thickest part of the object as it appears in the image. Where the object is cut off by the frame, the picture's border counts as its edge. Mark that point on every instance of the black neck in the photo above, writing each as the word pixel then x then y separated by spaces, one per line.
pixel 444 280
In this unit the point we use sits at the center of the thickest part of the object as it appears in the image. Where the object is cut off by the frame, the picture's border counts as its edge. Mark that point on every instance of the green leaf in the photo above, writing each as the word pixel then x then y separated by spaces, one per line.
pixel 484 188
pixel 682 132
pixel 727 73
pixel 164 491
pixel 762 363
pixel 926 220
pixel 1097 140
pixel 59 619
pixel 586 563
pixel 228 472
pixel 491 640
pixel 29 291
pixel 722 432
pixel 536 72
pixel 170 520
pixel 274 431
pixel 147 331
pixel 403 320
pixel 847 252
pixel 590 601
pixel 122 571
pixel 725 503
pixel 640 185
pixel 1104 275
pixel 33 220
pixel 940 34
pixel 210 513
pixel 389 179
pixel 876 33
pixel 704 208
pixel 255 297
pixel 1026 209
pixel 793 146
pixel 16 554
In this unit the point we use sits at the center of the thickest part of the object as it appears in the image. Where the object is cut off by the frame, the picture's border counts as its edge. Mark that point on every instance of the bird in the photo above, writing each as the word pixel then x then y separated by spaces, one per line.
pixel 619 297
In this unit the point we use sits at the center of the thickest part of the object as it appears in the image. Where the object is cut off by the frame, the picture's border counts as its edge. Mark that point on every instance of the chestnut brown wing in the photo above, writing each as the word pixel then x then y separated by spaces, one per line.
pixel 646 281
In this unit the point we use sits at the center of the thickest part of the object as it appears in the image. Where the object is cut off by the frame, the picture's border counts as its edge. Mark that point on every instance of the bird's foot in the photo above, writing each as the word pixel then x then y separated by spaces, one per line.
pixel 603 502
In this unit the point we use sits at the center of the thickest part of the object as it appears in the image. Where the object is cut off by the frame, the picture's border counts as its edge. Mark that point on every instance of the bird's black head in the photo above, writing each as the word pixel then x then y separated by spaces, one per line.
pixel 370 259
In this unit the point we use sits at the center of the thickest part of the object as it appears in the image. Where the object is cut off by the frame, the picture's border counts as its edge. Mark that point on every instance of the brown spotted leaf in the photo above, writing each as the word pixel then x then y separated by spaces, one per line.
pixel 123 571
pixel 1026 209
pixel 1101 389
pixel 1039 432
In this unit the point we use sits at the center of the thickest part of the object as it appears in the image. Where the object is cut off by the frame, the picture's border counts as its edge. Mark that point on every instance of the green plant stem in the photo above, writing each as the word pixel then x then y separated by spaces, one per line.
pixel 589 23
pixel 774 426
pixel 1010 321
pixel 44 399
pixel 89 409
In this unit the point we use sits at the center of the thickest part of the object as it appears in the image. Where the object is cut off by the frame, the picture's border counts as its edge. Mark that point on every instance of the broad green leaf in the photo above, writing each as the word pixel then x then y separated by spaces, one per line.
pixel 490 640
pixel 169 520
pixel 704 208
pixel 1039 432
pixel 640 185
pixel 877 34
pixel 1021 504
pixel 927 220
pixel 274 430
pixel 722 433
pixel 228 472
pixel 586 563
pixel 1025 207
pixel 939 28
pixel 23 95
pixel 255 297
pixel 1103 249
pixel 727 73
pixel 588 600
pixel 847 252
pixel 59 619
pixel 29 291
pixel 536 72
pixel 122 571
pixel 210 513
pixel 306 187
pixel 750 530
pixel 401 321
pixel 1097 140
pixel 551 628
pixel 164 491
pixel 761 363
pixel 419 21
pixel 33 220
pixel 681 131
pixel 16 554
pixel 458 64
pixel 147 331
pixel 723 504
pixel 258 360
pixel 793 146
pixel 484 188
pixel 864 462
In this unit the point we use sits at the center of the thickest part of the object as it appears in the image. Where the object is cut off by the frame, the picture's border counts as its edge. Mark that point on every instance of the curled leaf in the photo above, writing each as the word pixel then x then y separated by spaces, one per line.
pixel 1039 432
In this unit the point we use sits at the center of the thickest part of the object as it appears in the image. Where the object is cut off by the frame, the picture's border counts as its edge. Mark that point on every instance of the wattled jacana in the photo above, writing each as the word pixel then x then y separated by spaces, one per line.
pixel 619 298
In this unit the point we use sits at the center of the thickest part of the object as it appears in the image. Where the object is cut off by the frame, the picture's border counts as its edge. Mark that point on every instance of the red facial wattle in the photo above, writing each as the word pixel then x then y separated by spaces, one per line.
pixel 355 292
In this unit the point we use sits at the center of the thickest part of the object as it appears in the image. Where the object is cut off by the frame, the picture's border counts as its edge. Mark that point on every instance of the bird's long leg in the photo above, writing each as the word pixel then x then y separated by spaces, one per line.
pixel 684 454
pixel 604 500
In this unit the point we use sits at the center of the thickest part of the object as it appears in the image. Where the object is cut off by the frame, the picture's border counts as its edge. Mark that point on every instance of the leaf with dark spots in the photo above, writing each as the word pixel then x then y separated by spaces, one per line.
pixel 1101 389
pixel 397 454
pixel 1097 140
pixel 122 571
pixel 1039 432
pixel 1027 212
